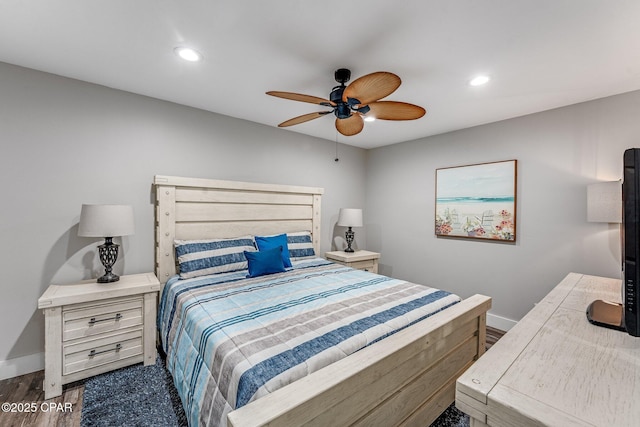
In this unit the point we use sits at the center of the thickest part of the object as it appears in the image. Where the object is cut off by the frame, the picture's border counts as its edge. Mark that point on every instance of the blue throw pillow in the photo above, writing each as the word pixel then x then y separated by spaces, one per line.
pixel 265 262
pixel 270 242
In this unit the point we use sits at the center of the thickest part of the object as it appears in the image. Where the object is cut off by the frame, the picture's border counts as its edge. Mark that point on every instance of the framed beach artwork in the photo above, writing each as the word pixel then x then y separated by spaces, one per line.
pixel 477 201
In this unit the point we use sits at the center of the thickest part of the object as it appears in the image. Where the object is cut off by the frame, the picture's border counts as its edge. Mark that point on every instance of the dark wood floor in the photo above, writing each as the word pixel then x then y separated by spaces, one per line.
pixel 27 406
pixel 25 395
pixel 493 335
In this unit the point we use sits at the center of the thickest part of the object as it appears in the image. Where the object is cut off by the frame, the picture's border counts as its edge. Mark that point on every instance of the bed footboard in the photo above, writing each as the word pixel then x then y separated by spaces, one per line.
pixel 404 380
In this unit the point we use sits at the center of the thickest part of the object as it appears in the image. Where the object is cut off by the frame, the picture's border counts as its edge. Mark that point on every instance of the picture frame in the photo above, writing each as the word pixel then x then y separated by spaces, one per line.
pixel 477 201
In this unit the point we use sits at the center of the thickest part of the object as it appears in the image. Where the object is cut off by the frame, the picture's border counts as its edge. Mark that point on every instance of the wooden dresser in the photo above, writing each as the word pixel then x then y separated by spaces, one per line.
pixel 556 369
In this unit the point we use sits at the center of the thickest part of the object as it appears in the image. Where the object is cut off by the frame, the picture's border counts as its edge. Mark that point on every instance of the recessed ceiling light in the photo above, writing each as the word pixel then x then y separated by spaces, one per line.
pixel 188 54
pixel 479 80
pixel 369 119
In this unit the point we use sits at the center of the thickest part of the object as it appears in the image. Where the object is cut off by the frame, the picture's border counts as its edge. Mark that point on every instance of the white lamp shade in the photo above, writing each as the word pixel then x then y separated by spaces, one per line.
pixel 106 221
pixel 604 202
pixel 350 217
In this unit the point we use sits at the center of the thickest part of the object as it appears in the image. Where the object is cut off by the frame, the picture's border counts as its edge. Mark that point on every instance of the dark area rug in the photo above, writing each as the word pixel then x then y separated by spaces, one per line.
pixel 135 396
pixel 144 396
pixel 452 417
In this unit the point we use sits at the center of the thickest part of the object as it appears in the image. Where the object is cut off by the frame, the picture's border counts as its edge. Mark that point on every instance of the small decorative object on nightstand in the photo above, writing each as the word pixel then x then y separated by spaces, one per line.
pixel 91 328
pixel 350 218
pixel 360 260
pixel 106 221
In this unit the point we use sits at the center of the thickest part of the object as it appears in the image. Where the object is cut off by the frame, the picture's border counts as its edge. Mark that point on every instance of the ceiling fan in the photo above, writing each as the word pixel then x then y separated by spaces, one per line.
pixel 360 99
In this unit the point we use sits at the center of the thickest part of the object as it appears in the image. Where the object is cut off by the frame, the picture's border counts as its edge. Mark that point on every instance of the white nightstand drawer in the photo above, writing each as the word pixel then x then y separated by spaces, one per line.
pixel 92 319
pixel 102 351
pixel 362 265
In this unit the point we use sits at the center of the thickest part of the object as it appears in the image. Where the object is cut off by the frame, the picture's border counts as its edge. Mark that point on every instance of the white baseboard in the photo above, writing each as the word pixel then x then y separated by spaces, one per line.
pixel 500 322
pixel 21 365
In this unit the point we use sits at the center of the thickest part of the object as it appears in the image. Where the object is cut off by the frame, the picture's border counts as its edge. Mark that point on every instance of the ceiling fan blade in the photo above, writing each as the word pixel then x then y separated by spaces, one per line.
pixel 372 87
pixel 392 110
pixel 302 98
pixel 350 126
pixel 303 118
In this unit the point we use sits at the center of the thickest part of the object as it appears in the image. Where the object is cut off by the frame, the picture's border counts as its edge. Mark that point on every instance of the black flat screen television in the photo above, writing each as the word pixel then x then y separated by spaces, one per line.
pixel 631 239
pixel 625 316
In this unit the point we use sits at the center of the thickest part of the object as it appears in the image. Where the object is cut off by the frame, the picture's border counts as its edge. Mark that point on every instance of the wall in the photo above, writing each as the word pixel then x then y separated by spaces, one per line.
pixel 559 153
pixel 66 142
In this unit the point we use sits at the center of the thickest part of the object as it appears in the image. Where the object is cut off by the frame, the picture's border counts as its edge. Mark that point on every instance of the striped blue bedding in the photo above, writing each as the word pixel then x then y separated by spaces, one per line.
pixel 230 339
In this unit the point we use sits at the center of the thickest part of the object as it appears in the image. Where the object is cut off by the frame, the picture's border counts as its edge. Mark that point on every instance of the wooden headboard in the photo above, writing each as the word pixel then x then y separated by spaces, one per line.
pixel 193 208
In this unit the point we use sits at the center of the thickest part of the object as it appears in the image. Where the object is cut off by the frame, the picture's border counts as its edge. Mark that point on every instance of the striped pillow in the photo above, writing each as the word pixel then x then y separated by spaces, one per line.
pixel 202 257
pixel 300 245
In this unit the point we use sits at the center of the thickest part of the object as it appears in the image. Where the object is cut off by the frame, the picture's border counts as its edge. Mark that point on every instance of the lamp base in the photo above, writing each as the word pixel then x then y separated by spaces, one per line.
pixel 349 235
pixel 108 254
pixel 108 278
pixel 606 314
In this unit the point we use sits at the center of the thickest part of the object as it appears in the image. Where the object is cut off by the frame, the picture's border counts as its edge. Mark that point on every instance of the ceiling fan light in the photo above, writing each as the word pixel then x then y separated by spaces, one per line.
pixel 479 80
pixel 188 54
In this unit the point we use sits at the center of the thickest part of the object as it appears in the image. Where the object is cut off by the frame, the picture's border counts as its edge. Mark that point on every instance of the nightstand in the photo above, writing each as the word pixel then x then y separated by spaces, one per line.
pixel 91 328
pixel 360 260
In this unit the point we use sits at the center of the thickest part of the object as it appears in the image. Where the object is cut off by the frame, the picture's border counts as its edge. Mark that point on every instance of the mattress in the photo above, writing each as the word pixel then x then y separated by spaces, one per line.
pixel 231 339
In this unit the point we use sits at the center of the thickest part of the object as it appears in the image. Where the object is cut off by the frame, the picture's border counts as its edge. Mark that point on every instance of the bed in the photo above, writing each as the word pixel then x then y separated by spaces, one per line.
pixel 404 378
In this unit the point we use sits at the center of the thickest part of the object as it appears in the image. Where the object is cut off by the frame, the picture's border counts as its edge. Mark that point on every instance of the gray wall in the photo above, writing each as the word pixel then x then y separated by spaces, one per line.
pixel 559 153
pixel 66 142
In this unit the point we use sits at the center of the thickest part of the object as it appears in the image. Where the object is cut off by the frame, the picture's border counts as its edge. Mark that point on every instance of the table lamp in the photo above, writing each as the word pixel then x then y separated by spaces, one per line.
pixel 106 221
pixel 604 204
pixel 350 218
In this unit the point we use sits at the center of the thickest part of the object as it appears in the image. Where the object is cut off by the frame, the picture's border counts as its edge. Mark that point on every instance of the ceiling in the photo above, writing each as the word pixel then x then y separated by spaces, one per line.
pixel 540 54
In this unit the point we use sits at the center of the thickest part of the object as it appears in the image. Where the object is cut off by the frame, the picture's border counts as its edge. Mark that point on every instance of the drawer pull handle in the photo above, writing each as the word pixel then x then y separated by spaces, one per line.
pixel 93 320
pixel 95 353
